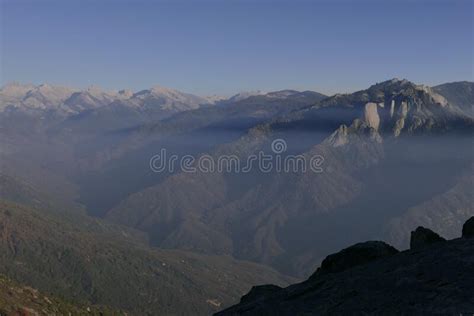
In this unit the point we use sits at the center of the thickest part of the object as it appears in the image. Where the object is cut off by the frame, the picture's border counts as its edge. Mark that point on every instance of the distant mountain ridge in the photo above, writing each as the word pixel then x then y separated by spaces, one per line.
pixel 74 101
pixel 460 94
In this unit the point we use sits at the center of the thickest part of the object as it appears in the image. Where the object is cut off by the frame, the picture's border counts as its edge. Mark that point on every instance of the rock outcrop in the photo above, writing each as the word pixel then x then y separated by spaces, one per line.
pixel 258 292
pixel 371 115
pixel 355 255
pixel 435 280
pixel 468 228
pixel 423 237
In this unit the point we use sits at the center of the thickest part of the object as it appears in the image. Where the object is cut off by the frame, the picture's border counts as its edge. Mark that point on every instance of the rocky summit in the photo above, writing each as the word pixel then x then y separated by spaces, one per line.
pixel 423 237
pixel 375 279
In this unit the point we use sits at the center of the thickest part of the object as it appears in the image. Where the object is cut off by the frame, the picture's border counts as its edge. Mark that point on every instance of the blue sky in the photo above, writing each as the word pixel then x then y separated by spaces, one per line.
pixel 222 47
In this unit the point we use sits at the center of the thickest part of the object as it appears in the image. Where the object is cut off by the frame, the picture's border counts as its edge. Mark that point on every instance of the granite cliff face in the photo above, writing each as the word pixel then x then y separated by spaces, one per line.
pixel 434 278
pixel 398 107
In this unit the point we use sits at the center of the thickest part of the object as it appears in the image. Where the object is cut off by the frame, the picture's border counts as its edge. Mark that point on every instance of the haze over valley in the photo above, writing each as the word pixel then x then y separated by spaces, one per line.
pixel 236 157
pixel 83 156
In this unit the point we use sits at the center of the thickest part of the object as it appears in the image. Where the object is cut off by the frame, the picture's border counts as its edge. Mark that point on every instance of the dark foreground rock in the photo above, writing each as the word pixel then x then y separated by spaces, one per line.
pixel 259 292
pixel 355 255
pixel 468 228
pixel 423 237
pixel 434 280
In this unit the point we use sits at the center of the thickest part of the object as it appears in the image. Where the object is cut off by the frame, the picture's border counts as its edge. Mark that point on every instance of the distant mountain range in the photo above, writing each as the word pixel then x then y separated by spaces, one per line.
pixel 78 194
pixel 69 101
pixel 74 101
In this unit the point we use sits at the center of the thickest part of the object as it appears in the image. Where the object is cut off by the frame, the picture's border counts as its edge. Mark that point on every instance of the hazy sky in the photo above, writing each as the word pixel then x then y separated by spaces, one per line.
pixel 226 46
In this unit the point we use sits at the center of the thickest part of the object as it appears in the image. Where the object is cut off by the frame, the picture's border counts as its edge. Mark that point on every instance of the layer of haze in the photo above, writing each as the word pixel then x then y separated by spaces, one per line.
pixel 222 47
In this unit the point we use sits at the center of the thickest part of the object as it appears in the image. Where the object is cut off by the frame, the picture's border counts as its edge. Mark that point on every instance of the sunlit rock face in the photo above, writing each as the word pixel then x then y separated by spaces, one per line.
pixel 392 108
pixel 401 116
pixel 371 115
pixel 339 137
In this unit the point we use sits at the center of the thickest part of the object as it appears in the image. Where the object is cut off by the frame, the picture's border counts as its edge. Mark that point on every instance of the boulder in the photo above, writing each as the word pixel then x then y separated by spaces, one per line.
pixel 468 228
pixel 355 255
pixel 423 237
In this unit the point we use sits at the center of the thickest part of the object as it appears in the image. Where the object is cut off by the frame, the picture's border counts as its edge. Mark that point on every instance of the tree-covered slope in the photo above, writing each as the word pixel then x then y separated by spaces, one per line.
pixel 16 299
pixel 90 262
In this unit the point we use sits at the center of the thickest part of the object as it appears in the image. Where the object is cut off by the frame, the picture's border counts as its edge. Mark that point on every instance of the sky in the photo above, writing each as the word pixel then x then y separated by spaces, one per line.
pixel 223 47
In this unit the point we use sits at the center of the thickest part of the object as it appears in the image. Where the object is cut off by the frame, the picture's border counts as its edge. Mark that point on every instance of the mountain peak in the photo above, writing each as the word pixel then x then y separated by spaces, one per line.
pixel 282 93
pixel 167 99
pixel 15 89
pixel 158 90
pixel 244 95
pixel 161 89
pixel 406 89
pixel 393 84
